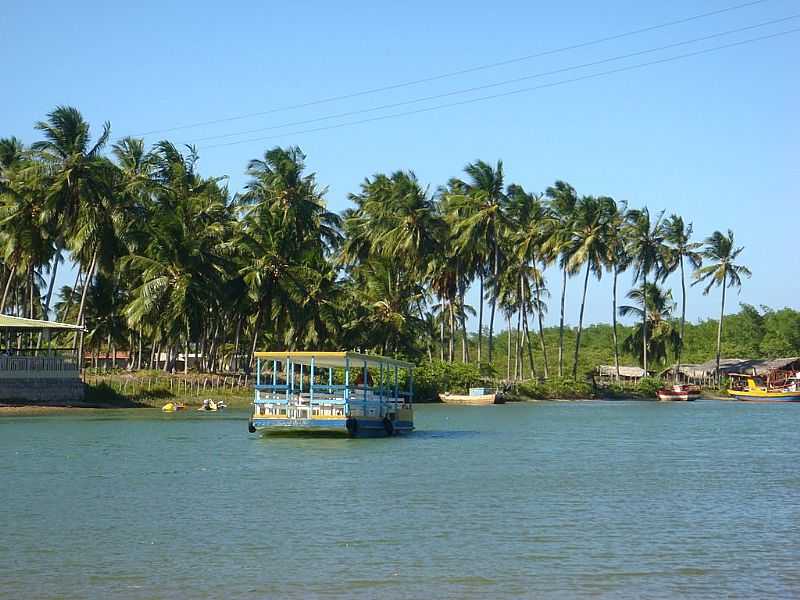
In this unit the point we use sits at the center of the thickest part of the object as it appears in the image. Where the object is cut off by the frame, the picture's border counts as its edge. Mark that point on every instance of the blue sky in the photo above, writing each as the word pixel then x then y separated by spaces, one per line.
pixel 712 137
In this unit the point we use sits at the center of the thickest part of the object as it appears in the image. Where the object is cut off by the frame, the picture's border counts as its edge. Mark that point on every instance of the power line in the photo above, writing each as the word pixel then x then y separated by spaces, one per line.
pixel 498 83
pixel 514 92
pixel 460 71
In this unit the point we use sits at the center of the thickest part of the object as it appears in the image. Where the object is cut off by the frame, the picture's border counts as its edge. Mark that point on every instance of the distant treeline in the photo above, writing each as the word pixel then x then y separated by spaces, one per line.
pixel 750 333
pixel 169 262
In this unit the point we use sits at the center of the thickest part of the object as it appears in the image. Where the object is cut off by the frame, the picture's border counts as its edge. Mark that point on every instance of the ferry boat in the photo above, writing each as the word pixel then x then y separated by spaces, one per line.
pixel 295 392
pixel 777 386
pixel 681 392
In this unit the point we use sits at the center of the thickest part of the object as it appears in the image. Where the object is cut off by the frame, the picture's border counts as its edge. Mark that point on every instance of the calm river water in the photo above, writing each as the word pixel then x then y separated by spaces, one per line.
pixel 548 500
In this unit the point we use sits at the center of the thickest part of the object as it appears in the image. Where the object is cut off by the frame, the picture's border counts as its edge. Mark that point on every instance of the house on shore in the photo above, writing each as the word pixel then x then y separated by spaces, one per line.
pixel 32 370
pixel 704 373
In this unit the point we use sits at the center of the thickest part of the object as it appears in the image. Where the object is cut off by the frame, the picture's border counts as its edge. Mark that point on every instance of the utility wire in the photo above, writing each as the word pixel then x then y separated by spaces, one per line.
pixel 498 83
pixel 514 92
pixel 461 71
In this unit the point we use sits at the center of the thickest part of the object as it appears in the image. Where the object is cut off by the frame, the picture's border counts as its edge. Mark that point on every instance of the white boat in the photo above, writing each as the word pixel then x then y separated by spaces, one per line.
pixel 681 393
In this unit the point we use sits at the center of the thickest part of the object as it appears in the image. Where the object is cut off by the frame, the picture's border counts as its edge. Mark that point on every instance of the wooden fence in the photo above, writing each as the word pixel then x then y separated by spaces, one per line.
pixel 132 384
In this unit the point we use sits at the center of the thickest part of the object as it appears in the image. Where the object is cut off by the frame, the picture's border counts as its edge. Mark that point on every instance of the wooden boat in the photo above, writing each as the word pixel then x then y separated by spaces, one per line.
pixel 472 399
pixel 298 394
pixel 680 393
pixel 777 386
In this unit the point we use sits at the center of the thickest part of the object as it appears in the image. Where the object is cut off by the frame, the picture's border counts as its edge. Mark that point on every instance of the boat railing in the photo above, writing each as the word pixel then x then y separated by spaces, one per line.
pixel 302 390
pixel 39 366
pixel 329 400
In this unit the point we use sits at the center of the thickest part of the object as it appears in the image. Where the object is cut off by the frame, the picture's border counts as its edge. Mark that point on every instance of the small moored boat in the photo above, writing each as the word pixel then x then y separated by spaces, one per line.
pixel 298 394
pixel 777 386
pixel 173 407
pixel 476 396
pixel 681 393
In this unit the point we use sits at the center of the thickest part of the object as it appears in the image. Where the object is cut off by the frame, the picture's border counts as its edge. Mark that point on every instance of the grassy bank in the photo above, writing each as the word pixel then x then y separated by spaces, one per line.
pixel 105 395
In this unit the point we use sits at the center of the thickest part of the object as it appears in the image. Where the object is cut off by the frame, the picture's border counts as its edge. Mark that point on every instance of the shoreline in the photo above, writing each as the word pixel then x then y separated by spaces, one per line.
pixel 11 409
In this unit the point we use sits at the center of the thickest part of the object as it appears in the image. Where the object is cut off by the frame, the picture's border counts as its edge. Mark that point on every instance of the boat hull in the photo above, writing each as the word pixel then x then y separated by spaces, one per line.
pixel 359 427
pixel 765 396
pixel 471 400
pixel 677 397
pixel 678 393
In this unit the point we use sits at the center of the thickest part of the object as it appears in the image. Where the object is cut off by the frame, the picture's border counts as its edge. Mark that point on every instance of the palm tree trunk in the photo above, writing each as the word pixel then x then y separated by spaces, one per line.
pixel 480 320
pixel 528 341
pixel 683 321
pixel 494 302
pixel 561 324
pixel 508 360
pixel 30 302
pixel 451 345
pixel 234 363
pixel 464 336
pixel 108 350
pixel 186 352
pixel 541 326
pixel 441 330
pixel 10 279
pixel 428 338
pixel 518 345
pixel 614 321
pixel 50 286
pixel 86 285
pixel 719 325
pixel 644 323
pixel 68 303
pixel 580 324
pixel 256 327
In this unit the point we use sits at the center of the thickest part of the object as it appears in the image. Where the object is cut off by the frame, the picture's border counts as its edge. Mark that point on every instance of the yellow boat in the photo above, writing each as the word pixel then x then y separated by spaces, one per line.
pixel 777 386
pixel 173 407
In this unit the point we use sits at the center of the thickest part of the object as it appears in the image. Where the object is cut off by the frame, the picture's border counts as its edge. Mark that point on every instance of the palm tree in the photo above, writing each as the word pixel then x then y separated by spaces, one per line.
pixel 286 236
pixel 680 246
pixel 482 220
pixel 723 272
pixel 78 173
pixel 180 266
pixel 562 199
pixel 654 307
pixel 589 245
pixel 646 251
pixel 533 222
pixel 619 260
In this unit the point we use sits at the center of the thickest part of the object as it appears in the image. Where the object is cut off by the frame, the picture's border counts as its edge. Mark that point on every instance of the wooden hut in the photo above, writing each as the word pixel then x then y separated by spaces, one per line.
pixel 608 374
pixel 705 373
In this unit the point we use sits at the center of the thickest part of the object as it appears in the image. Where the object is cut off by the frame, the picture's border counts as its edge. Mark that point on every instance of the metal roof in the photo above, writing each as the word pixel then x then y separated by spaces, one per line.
pixel 9 322
pixel 334 359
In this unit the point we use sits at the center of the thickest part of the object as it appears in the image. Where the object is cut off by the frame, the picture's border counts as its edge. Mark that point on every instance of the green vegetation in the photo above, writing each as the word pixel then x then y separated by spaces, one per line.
pixel 170 263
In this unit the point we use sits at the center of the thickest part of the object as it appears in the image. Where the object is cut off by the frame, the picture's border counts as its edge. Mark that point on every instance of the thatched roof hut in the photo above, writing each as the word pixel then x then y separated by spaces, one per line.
pixel 626 373
pixel 733 365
